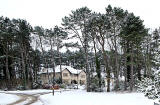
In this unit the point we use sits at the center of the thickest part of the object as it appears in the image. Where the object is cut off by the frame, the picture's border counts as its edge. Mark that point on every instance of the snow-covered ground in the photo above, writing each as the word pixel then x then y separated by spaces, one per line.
pixel 7 98
pixel 81 97
pixel 36 91
pixel 77 97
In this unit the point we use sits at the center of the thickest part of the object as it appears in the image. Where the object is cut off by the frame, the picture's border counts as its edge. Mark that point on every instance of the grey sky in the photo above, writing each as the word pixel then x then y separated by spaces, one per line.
pixel 48 13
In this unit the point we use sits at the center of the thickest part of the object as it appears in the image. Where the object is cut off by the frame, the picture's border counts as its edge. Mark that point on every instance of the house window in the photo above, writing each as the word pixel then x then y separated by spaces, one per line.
pixel 82 76
pixel 65 75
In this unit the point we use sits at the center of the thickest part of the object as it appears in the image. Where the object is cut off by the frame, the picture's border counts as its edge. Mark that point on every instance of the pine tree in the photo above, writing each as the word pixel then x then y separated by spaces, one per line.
pixel 133 32
pixel 76 23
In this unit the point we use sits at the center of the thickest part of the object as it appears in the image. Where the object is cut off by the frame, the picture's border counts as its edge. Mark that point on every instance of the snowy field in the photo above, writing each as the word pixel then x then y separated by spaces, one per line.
pixel 81 97
pixel 7 98
pixel 78 97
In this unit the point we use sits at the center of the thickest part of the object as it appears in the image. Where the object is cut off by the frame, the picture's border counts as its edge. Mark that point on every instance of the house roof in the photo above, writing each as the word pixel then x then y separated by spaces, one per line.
pixel 57 69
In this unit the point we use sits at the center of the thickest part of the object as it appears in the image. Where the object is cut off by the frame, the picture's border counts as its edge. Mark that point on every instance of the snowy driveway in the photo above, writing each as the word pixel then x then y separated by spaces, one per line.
pixel 29 97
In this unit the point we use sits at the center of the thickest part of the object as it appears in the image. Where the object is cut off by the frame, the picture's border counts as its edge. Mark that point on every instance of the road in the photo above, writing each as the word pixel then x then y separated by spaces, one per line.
pixel 27 99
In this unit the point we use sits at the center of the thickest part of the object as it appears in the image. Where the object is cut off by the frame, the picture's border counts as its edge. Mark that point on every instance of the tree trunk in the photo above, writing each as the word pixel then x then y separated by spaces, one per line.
pixel 53 67
pixel 128 61
pixel 131 74
pixel 116 64
pixel 87 71
pixel 23 68
pixel 107 69
pixel 87 62
pixel 139 72
pixel 26 57
pixel 105 58
pixel 45 61
pixel 60 62
pixel 7 68
pixel 125 69
pixel 97 62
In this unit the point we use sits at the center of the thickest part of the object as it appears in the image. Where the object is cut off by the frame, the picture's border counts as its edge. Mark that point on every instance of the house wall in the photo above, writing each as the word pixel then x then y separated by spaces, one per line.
pixel 44 79
pixel 82 78
pixel 66 76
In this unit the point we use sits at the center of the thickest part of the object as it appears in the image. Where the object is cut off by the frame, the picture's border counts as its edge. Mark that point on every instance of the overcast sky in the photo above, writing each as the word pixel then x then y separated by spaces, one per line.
pixel 48 13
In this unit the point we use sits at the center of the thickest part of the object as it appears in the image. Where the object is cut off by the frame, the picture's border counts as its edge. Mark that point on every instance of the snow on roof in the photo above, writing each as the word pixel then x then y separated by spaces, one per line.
pixel 57 69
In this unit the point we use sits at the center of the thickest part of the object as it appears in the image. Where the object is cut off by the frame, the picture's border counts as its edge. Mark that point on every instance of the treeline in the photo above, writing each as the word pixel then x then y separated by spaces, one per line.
pixel 16 54
pixel 116 39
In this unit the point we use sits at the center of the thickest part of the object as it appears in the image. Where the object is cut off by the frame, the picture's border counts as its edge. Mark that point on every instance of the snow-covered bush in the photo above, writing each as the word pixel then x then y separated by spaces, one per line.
pixel 144 84
pixel 151 92
pixel 150 86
